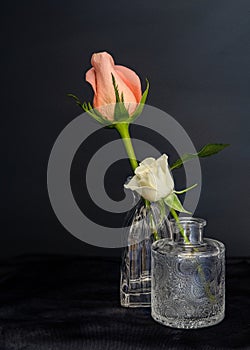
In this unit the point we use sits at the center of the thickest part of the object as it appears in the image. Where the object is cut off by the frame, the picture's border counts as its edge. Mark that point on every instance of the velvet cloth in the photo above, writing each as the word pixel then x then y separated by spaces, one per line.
pixel 71 303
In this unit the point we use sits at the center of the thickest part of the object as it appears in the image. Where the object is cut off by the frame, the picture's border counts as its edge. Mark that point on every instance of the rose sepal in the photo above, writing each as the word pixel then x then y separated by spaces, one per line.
pixel 87 107
pixel 140 106
pixel 121 114
pixel 173 202
pixel 95 114
pixel 186 189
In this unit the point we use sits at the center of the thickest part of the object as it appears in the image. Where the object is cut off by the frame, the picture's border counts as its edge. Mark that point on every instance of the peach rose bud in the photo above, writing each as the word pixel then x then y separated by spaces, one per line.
pixel 100 78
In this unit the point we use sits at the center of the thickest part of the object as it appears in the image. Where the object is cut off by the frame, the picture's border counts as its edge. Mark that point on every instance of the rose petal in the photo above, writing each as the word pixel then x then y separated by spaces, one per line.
pixel 100 78
pixel 148 161
pixel 132 183
pixel 90 78
pixel 131 79
pixel 145 191
pixel 103 64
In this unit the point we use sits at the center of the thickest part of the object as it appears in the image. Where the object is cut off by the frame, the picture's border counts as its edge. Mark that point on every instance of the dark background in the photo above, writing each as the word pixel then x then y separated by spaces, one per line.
pixel 196 55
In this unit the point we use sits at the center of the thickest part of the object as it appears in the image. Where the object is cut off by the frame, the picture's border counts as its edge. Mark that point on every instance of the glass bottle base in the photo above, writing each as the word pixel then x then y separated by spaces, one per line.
pixel 136 297
pixel 188 323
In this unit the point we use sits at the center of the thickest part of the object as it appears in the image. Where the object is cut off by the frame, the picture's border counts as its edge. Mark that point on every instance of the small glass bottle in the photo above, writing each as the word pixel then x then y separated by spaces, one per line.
pixel 188 277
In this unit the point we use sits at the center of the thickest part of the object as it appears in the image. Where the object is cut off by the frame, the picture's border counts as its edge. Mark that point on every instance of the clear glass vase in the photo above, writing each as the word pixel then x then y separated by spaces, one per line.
pixel 188 277
pixel 145 223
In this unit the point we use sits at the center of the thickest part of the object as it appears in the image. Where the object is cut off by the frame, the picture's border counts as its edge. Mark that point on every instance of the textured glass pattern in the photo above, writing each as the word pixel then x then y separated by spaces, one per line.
pixel 135 284
pixel 188 283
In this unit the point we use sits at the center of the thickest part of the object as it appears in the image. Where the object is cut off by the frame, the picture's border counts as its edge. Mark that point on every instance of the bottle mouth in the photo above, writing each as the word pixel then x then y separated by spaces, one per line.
pixel 188 230
pixel 188 221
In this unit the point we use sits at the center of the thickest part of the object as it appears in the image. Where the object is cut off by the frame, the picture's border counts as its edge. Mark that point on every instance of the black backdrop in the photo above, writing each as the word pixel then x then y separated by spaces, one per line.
pixel 196 55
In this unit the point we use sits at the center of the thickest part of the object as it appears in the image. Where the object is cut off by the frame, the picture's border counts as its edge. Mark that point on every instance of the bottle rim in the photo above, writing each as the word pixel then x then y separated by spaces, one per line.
pixel 191 221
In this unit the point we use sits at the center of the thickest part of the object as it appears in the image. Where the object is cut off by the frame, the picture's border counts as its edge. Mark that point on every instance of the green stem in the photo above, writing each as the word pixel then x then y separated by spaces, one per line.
pixel 176 217
pixel 123 129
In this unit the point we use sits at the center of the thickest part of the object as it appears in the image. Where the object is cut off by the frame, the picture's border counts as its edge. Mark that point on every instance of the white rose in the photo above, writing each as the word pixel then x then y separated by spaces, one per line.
pixel 152 180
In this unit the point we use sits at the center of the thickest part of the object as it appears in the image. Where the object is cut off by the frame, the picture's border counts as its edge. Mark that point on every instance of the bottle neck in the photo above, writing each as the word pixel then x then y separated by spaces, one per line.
pixel 188 230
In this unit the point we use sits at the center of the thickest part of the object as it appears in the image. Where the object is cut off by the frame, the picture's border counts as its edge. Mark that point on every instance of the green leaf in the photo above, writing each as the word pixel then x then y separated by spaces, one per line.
pixel 206 151
pixel 182 160
pixel 186 189
pixel 174 203
pixel 140 106
pixel 212 148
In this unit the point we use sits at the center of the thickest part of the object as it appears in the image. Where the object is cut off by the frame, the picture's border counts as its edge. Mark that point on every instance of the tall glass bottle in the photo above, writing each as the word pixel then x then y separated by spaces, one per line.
pixel 144 225
pixel 188 277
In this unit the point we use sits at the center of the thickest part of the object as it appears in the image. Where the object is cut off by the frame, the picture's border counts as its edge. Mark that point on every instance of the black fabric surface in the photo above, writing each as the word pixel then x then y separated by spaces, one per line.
pixel 71 303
